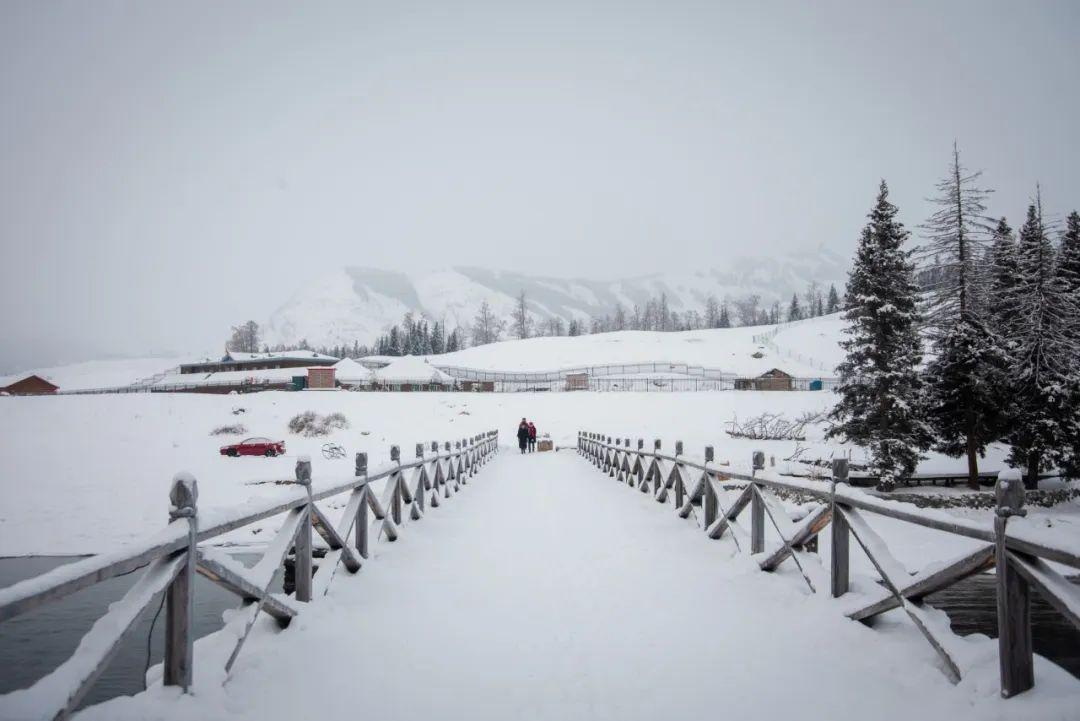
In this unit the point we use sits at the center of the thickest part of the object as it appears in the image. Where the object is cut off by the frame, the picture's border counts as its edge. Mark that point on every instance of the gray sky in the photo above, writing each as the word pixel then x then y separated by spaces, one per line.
pixel 166 170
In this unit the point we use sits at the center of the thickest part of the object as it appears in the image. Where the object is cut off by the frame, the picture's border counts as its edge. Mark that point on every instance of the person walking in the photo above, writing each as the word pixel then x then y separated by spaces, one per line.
pixel 523 435
pixel 532 437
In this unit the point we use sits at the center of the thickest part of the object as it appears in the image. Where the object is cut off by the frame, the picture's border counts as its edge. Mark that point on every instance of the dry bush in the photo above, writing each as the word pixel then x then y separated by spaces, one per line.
pixel 237 429
pixel 310 424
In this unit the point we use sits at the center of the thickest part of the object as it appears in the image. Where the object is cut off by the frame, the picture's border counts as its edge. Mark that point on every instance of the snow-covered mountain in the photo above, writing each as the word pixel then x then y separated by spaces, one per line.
pixel 359 304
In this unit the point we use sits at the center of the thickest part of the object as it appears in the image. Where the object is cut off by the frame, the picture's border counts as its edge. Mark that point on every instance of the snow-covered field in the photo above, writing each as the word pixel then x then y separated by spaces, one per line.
pixel 103 463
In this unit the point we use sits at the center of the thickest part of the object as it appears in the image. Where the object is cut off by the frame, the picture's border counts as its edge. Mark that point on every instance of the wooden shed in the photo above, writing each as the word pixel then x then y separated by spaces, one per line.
pixel 577 381
pixel 773 380
pixel 32 385
pixel 321 378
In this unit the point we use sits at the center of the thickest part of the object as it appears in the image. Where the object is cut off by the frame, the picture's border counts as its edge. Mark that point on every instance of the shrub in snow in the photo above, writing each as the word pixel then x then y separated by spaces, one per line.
pixel 234 430
pixel 310 423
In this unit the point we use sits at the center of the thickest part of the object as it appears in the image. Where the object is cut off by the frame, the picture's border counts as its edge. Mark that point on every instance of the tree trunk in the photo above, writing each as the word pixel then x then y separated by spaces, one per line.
pixel 1031 480
pixel 972 453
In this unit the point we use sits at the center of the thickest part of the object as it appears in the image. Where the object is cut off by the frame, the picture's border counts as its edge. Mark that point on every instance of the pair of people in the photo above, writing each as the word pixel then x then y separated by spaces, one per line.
pixel 526 435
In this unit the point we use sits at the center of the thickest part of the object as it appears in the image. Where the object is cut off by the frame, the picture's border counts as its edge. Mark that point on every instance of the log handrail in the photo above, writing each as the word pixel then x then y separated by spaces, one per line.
pixel 174 556
pixel 1019 554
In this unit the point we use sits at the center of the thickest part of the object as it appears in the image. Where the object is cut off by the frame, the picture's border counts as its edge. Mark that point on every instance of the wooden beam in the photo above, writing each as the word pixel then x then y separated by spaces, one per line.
pixel 924 584
pixel 889 569
pixel 1015 656
pixel 810 527
pixel 333 538
pixel 216 568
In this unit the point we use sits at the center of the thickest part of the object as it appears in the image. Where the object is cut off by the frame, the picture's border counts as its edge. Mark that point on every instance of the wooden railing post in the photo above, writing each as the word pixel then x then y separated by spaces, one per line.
pixel 180 594
pixel 1013 597
pixel 757 508
pixel 361 530
pixel 841 535
pixel 303 536
pixel 680 490
pixel 712 503
pixel 395 495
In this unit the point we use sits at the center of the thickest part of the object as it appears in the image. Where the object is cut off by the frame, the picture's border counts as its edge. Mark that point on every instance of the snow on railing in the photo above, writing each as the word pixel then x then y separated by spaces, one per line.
pixel 173 555
pixel 1020 554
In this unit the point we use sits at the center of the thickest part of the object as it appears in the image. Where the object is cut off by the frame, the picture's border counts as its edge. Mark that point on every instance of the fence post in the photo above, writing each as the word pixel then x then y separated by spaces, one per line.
pixel 712 509
pixel 680 493
pixel 1013 597
pixel 361 530
pixel 841 536
pixel 395 495
pixel 757 508
pixel 303 536
pixel 180 595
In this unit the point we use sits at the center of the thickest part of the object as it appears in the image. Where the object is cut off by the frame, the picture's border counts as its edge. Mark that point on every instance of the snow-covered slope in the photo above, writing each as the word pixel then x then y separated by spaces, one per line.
pixel 358 304
pixel 100 374
pixel 732 350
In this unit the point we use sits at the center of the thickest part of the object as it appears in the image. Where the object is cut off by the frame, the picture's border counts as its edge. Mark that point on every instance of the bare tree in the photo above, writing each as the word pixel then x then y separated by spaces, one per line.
pixel 245 338
pixel 521 323
pixel 746 309
pixel 486 327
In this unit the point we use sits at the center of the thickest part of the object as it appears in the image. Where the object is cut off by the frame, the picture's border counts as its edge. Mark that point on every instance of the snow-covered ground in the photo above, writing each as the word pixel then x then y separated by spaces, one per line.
pixel 544 590
pixel 103 463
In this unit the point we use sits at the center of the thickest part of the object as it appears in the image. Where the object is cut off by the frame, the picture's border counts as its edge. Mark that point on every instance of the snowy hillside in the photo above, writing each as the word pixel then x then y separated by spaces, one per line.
pixel 101 373
pixel 732 350
pixel 357 304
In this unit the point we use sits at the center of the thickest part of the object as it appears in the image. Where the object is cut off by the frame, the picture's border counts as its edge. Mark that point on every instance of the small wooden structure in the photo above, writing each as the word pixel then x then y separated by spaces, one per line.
pixel 771 380
pixel 31 385
pixel 321 378
pixel 577 381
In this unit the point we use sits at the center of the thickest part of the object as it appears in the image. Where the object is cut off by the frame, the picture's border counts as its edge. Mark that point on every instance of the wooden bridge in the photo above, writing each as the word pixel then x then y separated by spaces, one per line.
pixel 546 593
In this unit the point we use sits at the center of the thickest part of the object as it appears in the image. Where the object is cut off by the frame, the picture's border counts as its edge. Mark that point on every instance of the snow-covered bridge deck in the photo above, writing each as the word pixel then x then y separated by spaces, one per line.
pixel 545 591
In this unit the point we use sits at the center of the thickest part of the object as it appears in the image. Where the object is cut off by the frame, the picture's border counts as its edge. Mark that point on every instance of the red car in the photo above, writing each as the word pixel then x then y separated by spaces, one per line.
pixel 255 447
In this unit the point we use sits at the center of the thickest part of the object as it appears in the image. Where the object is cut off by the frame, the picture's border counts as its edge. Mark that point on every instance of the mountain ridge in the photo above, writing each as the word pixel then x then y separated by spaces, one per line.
pixel 358 303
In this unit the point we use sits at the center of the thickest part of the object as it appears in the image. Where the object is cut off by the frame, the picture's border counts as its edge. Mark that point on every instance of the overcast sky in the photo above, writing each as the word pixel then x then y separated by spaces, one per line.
pixel 169 169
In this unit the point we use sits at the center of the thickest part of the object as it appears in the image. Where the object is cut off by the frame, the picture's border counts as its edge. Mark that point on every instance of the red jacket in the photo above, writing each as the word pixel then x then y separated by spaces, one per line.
pixel 532 432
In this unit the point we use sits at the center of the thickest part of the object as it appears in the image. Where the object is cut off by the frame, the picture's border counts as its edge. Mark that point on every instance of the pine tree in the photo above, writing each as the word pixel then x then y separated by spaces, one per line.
pixel 725 317
pixel 438 339
pixel 880 386
pixel 1003 277
pixel 833 305
pixel 1068 270
pixel 967 392
pixel 394 344
pixel 575 328
pixel 453 341
pixel 1043 383
pixel 794 312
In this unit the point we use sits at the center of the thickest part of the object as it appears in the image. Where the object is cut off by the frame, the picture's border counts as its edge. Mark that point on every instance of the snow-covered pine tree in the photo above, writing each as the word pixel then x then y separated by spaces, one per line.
pixel 725 316
pixel 794 311
pixel 967 397
pixel 438 338
pixel 880 386
pixel 1003 277
pixel 833 304
pixel 1068 269
pixel 1045 425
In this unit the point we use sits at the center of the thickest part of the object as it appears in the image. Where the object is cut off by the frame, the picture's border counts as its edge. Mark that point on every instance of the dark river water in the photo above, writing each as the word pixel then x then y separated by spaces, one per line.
pixel 34 643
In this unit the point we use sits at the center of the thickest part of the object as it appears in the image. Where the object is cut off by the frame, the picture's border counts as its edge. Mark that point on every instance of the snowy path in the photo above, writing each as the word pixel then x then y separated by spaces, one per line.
pixel 546 591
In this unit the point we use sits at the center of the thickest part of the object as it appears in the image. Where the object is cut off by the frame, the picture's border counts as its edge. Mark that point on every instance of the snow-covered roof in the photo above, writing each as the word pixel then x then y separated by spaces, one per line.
pixel 277 355
pixel 411 369
pixel 348 370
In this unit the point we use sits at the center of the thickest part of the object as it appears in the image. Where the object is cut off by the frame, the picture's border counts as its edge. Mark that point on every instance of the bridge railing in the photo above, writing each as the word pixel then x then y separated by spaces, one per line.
pixel 173 555
pixel 1022 556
